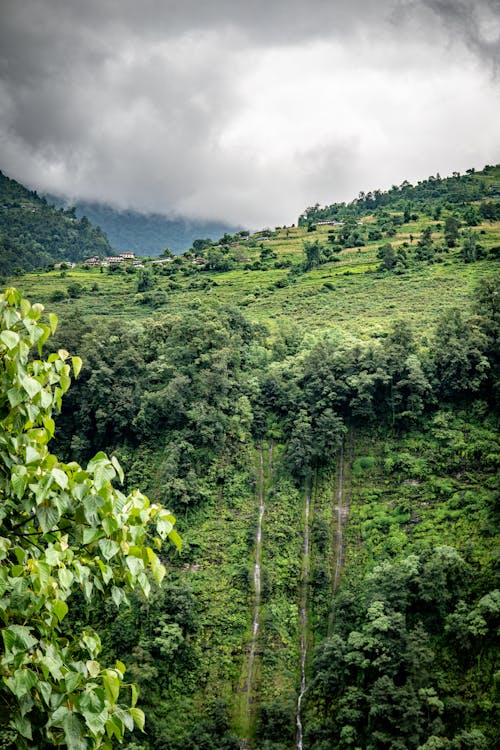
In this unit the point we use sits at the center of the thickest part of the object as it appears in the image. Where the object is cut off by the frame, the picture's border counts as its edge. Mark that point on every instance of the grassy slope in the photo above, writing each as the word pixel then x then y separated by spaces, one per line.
pixel 343 295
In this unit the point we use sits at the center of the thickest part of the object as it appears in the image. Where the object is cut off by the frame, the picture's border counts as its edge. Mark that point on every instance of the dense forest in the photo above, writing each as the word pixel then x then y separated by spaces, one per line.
pixel 34 234
pixel 319 411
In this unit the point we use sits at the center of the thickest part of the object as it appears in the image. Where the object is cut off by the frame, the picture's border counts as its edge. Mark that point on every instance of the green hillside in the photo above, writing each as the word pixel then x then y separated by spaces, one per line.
pixel 318 406
pixel 34 234
pixel 466 194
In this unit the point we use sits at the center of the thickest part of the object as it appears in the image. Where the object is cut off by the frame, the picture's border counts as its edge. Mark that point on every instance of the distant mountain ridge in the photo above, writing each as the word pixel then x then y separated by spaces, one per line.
pixel 146 234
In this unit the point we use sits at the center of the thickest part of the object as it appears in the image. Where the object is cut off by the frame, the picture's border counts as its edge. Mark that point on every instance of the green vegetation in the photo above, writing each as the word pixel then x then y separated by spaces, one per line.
pixel 34 234
pixel 359 359
pixel 63 529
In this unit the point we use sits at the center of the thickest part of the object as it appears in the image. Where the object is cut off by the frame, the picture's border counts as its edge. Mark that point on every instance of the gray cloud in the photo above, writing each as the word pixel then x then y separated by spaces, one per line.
pixel 476 23
pixel 245 111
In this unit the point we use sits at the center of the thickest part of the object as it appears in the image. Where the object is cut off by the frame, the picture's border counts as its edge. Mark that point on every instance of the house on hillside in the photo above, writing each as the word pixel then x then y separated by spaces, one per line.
pixel 93 261
pixel 127 256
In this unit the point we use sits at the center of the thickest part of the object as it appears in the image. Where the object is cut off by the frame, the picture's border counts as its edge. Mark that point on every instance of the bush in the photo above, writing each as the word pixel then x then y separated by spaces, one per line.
pixel 58 295
pixel 75 290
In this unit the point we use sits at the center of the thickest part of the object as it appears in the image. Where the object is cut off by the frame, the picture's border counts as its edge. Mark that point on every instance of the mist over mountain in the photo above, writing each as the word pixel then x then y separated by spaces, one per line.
pixel 146 234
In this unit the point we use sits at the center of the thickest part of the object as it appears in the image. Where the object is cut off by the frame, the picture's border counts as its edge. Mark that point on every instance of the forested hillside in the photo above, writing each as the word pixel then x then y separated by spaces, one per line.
pixel 318 407
pixel 34 234
pixel 472 195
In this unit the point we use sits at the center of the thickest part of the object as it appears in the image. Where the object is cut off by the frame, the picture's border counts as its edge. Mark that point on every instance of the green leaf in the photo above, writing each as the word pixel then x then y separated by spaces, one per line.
pixel 118 468
pixel 31 386
pixel 120 667
pixel 18 638
pixel 135 565
pixel 72 680
pixel 108 548
pixel 114 727
pixel 127 719
pixel 110 525
pixel 45 690
pixel 60 477
pixel 10 339
pixel 77 365
pixel 22 682
pixel 41 576
pixel 73 732
pixel 53 322
pixel 175 538
pixel 134 694
pixel 60 609
pixel 138 717
pixel 49 425
pixel 111 685
pixel 23 726
pixel 93 667
pixel 118 595
pixel 66 577
pixel 48 517
pixel 15 396
pixel 32 454
pixel 91 534
pixel 19 480
pixel 157 569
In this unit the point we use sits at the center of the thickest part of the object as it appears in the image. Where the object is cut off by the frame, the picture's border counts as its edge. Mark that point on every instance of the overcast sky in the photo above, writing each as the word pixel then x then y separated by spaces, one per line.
pixel 245 110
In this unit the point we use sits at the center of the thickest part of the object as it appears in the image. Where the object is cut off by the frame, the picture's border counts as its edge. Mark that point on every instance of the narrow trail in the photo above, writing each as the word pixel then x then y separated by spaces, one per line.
pixel 257 589
pixel 306 550
pixel 340 517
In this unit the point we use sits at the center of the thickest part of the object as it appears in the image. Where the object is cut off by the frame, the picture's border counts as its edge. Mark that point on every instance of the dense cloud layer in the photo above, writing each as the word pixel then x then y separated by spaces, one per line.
pixel 244 111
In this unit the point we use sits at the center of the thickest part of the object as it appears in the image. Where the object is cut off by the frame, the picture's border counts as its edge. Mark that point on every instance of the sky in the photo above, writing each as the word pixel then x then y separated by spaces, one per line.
pixel 245 111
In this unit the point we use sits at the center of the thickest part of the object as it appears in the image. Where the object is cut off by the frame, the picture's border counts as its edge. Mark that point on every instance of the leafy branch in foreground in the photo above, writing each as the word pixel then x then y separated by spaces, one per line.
pixel 63 529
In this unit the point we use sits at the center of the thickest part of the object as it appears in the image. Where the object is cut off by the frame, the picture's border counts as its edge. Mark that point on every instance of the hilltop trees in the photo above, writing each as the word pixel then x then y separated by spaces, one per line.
pixel 65 531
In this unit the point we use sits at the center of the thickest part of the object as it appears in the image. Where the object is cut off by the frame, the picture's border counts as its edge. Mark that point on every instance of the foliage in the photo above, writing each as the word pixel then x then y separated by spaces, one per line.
pixel 63 529
pixel 428 195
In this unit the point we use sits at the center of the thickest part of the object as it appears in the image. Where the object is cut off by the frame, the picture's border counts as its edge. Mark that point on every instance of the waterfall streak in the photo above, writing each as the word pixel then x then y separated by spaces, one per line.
pixel 256 584
pixel 303 618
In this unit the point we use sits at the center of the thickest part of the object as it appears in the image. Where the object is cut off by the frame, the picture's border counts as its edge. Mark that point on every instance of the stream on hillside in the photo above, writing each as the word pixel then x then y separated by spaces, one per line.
pixel 257 589
pixel 306 549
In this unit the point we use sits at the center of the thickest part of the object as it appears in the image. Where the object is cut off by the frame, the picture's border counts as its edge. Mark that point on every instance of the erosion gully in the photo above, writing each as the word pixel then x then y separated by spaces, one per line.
pixel 303 641
pixel 340 518
pixel 257 589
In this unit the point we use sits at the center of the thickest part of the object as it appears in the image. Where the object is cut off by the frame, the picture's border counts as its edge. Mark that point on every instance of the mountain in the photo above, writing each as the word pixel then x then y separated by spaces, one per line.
pixel 146 234
pixel 34 234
